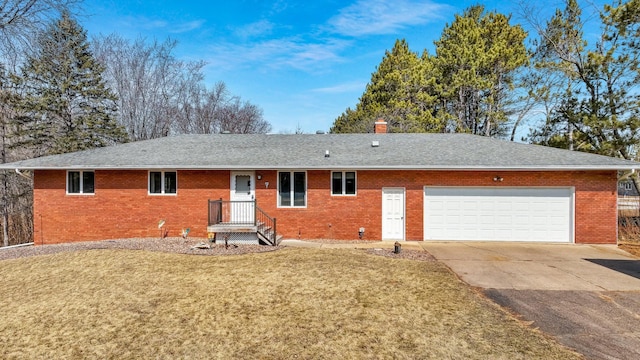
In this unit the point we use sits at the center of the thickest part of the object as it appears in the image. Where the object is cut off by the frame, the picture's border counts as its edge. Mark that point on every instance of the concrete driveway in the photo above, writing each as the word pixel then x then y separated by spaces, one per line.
pixel 587 296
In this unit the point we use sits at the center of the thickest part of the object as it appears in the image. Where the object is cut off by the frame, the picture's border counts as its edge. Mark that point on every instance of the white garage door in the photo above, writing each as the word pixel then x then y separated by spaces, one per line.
pixel 498 214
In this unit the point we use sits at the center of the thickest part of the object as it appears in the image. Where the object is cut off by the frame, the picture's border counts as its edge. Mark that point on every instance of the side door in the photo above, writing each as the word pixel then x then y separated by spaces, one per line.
pixel 393 209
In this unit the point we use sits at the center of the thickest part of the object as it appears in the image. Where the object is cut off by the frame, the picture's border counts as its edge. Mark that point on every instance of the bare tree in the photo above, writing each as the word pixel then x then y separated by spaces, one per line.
pixel 150 82
pixel 200 112
pixel 215 110
pixel 20 20
pixel 160 95
pixel 242 117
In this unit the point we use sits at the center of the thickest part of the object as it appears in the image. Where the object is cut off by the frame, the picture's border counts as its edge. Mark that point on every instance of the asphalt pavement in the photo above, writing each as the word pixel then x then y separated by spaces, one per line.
pixel 586 296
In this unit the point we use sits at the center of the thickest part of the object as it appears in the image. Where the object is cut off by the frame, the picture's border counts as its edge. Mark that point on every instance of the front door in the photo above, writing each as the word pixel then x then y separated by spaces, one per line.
pixel 392 214
pixel 243 189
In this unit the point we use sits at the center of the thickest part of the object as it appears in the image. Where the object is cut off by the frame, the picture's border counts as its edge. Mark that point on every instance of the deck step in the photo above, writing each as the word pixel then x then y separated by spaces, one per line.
pixel 266 237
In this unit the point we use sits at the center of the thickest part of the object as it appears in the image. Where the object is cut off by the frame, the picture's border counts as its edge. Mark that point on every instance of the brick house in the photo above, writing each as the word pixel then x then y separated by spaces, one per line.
pixel 376 186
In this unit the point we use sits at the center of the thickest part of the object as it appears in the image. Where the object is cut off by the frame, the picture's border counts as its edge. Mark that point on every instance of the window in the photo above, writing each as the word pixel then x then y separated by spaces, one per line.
pixel 80 182
pixel 343 183
pixel 162 182
pixel 627 186
pixel 292 189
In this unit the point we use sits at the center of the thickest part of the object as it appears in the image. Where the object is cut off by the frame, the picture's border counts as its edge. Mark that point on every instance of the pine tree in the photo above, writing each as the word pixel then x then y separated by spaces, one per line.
pixel 466 87
pixel 599 111
pixel 400 92
pixel 67 104
pixel 477 56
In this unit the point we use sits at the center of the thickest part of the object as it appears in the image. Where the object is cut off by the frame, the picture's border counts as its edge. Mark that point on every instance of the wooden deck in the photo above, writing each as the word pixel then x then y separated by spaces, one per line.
pixel 232 228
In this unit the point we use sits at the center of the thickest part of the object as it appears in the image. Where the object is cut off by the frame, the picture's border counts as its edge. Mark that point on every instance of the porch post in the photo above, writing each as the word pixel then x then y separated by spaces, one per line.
pixel 255 212
pixel 275 233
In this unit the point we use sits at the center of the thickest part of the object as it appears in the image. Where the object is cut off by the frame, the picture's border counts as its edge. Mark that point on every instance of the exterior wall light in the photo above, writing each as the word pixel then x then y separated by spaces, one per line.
pixel 498 179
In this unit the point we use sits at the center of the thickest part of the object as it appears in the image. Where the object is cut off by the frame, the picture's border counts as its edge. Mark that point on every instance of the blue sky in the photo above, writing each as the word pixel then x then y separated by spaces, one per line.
pixel 302 62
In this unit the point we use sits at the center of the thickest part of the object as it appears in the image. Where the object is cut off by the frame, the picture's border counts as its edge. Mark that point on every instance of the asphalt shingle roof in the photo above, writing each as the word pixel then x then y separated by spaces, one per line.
pixel 348 151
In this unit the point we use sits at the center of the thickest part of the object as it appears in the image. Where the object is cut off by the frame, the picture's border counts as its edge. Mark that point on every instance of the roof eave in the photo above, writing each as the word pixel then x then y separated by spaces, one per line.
pixel 333 167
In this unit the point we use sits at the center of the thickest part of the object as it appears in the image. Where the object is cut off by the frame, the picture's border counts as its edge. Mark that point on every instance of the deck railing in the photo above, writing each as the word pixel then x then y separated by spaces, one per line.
pixel 231 212
pixel 266 227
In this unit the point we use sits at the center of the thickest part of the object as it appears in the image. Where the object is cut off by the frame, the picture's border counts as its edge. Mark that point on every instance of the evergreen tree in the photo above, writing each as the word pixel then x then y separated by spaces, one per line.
pixel 67 105
pixel 466 87
pixel 478 55
pixel 352 121
pixel 400 92
pixel 599 110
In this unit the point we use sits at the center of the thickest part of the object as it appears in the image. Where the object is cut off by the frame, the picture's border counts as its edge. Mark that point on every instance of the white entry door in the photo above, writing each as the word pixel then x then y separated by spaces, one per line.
pixel 392 214
pixel 243 191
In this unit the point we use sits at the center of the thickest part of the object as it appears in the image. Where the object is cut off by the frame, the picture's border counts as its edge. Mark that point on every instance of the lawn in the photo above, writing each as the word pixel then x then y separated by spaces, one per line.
pixel 291 303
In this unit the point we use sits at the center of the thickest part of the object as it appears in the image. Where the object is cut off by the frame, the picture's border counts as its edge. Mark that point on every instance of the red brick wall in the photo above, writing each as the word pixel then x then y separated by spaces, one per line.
pixel 122 208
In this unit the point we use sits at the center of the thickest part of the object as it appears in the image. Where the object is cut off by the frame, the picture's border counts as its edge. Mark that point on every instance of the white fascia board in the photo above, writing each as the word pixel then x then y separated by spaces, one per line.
pixel 328 167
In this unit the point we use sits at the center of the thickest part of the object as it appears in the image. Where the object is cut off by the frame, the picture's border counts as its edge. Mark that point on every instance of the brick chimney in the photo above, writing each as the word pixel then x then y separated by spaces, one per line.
pixel 380 127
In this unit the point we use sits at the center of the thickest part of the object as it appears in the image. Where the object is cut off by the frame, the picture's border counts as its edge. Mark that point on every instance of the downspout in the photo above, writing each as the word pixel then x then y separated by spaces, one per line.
pixel 23 174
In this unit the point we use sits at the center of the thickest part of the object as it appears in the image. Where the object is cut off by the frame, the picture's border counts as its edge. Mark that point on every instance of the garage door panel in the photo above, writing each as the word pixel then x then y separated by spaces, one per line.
pixel 504 214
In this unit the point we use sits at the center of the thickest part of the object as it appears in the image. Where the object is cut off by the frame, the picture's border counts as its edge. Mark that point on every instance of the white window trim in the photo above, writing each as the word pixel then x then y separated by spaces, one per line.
pixel 306 189
pixel 81 193
pixel 344 182
pixel 162 193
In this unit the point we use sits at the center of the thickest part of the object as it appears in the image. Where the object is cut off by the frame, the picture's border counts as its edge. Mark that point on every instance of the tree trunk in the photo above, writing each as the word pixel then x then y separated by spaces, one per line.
pixel 5 185
pixel 5 225
pixel 570 134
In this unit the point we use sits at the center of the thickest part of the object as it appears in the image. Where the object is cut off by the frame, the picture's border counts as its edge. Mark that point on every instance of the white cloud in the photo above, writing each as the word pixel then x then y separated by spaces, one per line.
pixel 258 28
pixel 367 17
pixel 147 24
pixel 342 88
pixel 278 6
pixel 277 53
pixel 186 27
pixel 144 23
pixel 319 48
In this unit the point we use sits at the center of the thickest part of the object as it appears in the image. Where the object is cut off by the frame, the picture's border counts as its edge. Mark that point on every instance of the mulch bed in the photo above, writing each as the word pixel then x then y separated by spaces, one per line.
pixel 179 245
pixel 176 245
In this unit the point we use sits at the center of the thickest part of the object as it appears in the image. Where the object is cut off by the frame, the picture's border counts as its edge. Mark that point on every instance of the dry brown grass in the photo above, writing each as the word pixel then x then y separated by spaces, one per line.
pixel 629 231
pixel 293 303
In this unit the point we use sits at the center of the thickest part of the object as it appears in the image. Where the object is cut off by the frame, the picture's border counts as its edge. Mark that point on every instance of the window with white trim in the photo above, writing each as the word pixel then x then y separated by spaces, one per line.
pixel 80 182
pixel 163 182
pixel 292 189
pixel 343 183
